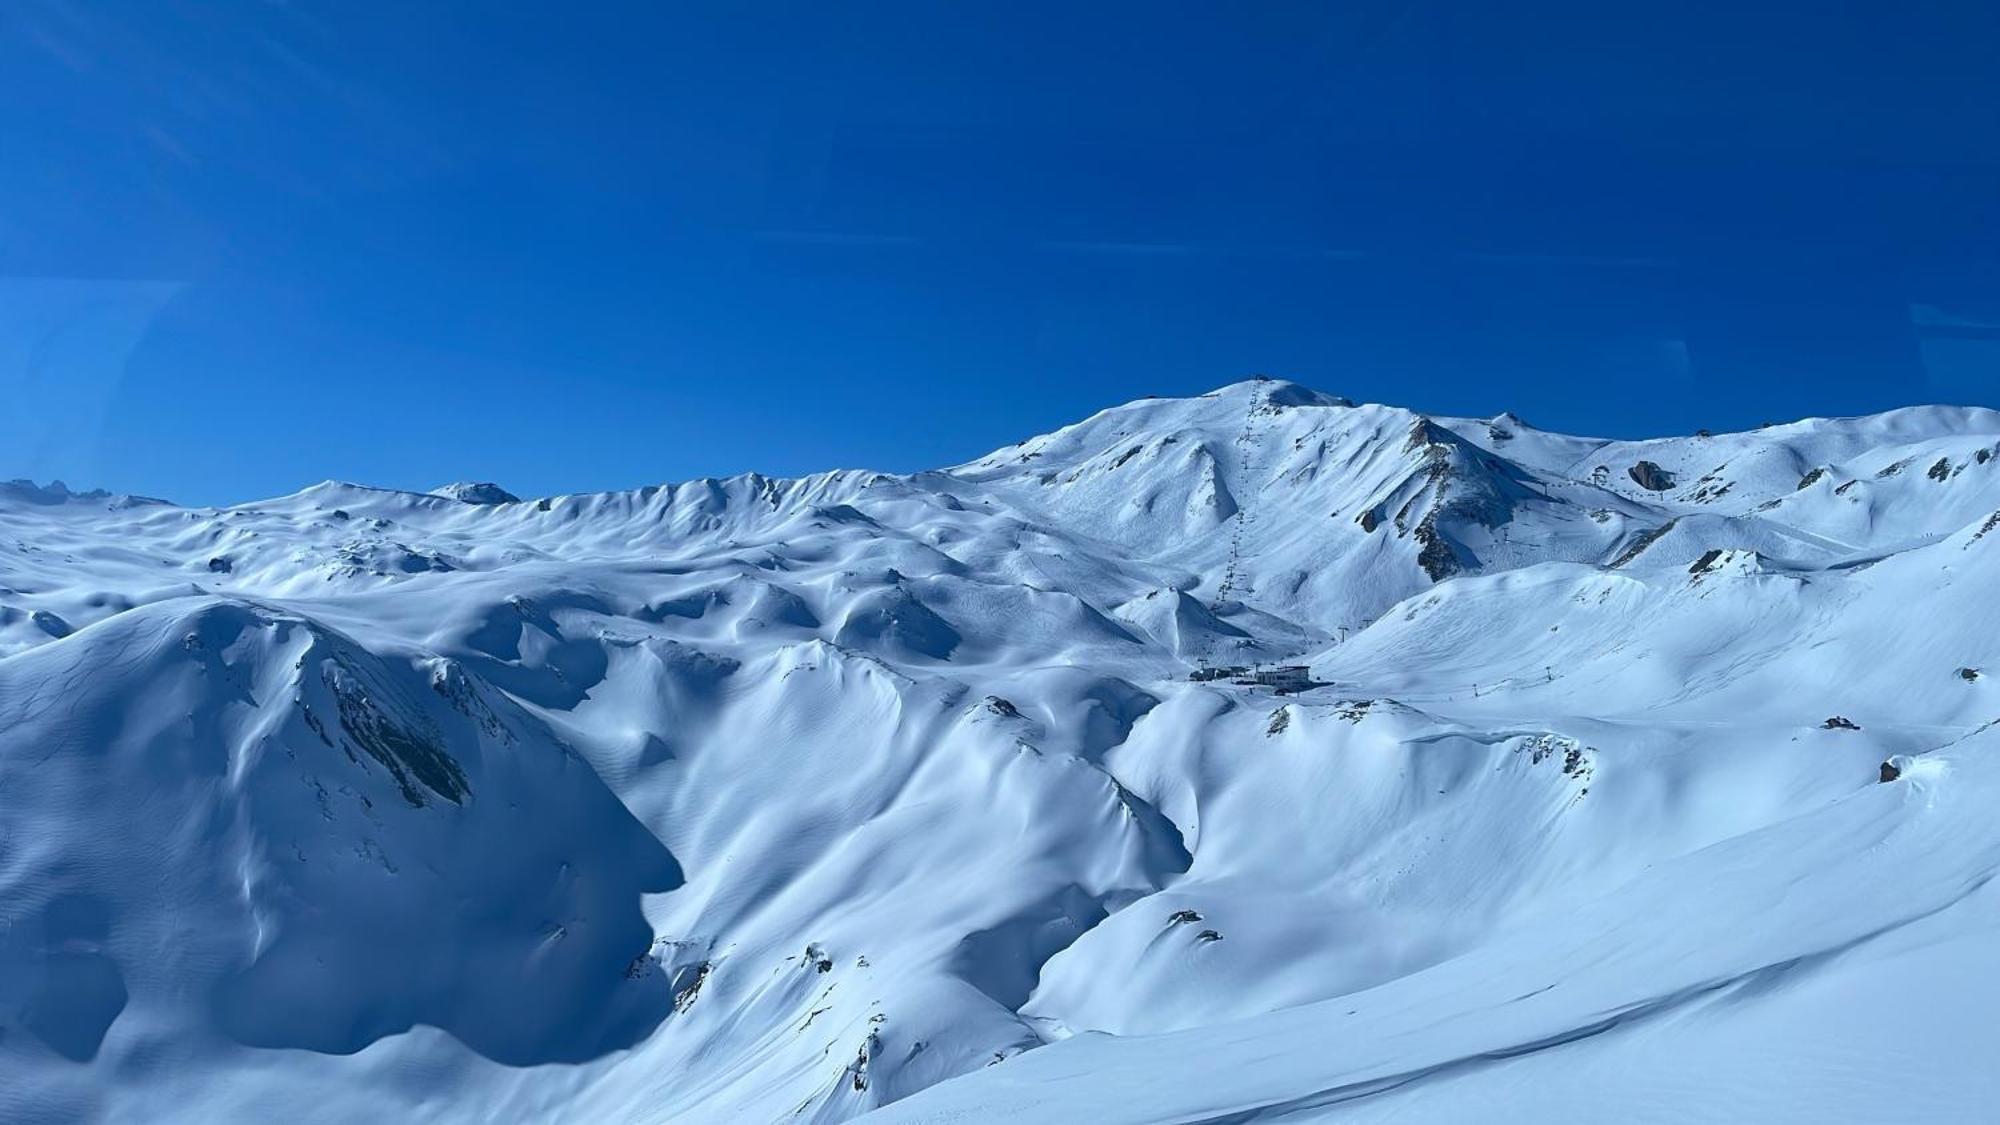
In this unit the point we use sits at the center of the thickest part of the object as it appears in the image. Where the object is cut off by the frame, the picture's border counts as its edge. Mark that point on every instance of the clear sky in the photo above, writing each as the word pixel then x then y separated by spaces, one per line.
pixel 248 246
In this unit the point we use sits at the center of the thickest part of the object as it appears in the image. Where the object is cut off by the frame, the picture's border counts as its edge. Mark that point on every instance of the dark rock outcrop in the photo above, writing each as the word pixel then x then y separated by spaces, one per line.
pixel 1650 476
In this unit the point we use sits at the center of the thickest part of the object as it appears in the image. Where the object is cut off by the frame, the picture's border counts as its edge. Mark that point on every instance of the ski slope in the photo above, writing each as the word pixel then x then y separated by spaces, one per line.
pixel 1626 780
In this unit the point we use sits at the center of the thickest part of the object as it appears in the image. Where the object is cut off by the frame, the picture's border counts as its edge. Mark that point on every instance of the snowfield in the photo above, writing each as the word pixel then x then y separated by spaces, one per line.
pixel 1257 756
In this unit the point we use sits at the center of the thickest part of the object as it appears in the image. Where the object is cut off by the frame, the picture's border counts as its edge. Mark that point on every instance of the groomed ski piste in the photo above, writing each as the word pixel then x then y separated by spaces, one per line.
pixel 1257 756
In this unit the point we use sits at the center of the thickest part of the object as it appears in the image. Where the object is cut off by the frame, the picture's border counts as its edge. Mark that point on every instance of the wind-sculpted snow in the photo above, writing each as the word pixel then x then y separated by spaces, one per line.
pixel 1256 756
pixel 309 845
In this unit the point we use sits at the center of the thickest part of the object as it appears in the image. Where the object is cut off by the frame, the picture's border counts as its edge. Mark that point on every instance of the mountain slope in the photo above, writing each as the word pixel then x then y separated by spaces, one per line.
pixel 947 796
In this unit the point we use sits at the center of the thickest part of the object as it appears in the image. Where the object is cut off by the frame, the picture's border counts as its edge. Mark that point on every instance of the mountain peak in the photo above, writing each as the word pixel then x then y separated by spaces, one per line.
pixel 1278 392
pixel 56 492
pixel 476 492
pixel 1529 682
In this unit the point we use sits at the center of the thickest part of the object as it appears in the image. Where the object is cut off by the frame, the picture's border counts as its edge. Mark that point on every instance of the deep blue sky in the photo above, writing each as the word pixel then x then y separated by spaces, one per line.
pixel 244 247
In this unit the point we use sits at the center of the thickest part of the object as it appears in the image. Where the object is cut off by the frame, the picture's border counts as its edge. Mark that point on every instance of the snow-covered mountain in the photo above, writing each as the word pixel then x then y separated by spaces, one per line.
pixel 1585 780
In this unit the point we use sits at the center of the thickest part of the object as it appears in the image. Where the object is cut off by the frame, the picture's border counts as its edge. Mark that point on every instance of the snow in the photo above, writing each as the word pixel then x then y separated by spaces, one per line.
pixel 476 492
pixel 864 794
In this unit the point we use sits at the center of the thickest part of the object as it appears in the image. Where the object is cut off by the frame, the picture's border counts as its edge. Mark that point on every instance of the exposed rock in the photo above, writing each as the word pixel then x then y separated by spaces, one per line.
pixel 869 1047
pixel 1711 491
pixel 50 623
pixel 1642 541
pixel 1423 432
pixel 1356 711
pixel 1890 772
pixel 1184 917
pixel 816 958
pixel 1839 722
pixel 1280 719
pixel 1436 556
pixel 1648 475
pixel 688 986
pixel 1576 762
pixel 410 748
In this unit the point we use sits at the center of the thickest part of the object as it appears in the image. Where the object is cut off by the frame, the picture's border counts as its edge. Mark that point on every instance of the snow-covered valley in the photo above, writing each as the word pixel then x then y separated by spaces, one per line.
pixel 1254 756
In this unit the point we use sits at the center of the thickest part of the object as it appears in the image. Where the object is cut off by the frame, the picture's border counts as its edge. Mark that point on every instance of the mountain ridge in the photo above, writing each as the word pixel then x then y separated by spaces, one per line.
pixel 760 798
